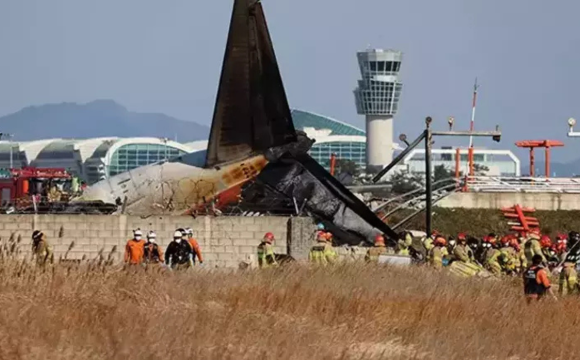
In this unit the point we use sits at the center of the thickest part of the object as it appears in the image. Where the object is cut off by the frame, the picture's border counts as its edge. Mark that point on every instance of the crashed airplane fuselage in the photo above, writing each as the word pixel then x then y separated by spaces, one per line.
pixel 252 140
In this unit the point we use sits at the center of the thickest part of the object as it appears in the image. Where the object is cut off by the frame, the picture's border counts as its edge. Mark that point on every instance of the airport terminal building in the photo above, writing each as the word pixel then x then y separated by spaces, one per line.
pixel 99 158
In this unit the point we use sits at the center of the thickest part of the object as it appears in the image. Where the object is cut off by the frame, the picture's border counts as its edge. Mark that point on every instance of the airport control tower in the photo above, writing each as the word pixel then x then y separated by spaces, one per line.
pixel 377 97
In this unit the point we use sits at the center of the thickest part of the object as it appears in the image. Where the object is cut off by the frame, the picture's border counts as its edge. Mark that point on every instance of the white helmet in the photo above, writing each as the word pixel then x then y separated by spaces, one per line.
pixel 189 231
pixel 151 236
pixel 137 234
pixel 177 236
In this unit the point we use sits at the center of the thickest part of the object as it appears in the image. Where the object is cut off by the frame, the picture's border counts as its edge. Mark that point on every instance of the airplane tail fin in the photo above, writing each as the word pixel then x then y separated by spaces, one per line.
pixel 251 111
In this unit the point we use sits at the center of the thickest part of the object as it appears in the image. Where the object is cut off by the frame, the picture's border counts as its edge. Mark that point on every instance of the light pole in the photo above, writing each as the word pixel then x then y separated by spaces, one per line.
pixel 426 136
pixel 571 132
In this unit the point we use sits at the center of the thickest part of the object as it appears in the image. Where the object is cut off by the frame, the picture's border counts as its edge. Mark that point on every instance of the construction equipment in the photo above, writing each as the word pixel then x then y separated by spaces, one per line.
pixel 522 222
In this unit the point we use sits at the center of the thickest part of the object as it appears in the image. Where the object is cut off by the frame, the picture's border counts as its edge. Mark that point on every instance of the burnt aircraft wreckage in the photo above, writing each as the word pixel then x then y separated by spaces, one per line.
pixel 255 157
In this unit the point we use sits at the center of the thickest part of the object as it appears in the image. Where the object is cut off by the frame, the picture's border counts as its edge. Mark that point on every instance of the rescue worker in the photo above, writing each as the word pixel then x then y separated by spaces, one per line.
pixel 573 240
pixel 194 246
pixel 428 244
pixel 492 255
pixel 266 256
pixel 451 244
pixel 476 247
pixel 462 252
pixel 508 256
pixel 536 281
pixel 135 248
pixel 438 255
pixel 377 250
pixel 404 244
pixel 532 246
pixel 561 246
pixel 41 249
pixel 323 253
pixel 568 284
pixel 178 254
pixel 153 253
pixel 521 262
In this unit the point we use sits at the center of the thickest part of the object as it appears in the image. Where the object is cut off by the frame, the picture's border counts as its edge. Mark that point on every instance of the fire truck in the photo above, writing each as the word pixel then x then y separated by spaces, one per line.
pixel 29 187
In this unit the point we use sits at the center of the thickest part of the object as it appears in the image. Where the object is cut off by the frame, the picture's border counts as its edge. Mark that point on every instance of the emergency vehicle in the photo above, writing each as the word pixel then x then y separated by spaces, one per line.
pixel 22 188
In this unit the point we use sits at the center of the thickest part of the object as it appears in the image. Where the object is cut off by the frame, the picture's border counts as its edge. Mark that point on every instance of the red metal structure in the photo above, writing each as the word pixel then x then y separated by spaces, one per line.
pixel 532 144
pixel 524 223
pixel 332 163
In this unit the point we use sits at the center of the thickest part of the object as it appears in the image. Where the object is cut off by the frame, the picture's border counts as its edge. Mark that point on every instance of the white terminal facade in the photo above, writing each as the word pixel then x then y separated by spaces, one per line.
pixel 377 97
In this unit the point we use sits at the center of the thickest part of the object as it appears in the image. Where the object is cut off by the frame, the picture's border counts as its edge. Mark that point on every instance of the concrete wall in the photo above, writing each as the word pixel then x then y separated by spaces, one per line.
pixel 225 241
pixel 540 201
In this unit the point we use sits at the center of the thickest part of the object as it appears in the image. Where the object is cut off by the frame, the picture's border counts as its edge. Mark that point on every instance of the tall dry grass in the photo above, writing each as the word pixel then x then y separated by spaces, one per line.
pixel 351 311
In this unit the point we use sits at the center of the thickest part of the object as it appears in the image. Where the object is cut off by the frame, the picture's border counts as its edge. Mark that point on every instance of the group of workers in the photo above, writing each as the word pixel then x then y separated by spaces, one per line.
pixel 321 253
pixel 534 256
pixel 181 253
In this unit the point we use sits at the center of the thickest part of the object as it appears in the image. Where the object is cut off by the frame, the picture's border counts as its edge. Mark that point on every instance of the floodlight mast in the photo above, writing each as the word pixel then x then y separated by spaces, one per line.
pixel 427 135
pixel 571 132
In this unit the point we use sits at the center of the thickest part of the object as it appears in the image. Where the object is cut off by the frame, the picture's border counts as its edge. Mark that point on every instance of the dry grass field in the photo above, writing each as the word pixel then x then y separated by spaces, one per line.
pixel 349 311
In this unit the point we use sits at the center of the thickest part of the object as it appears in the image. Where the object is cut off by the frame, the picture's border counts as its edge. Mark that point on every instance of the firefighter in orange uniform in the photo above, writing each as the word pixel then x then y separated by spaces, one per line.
pixel 194 246
pixel 536 282
pixel 135 249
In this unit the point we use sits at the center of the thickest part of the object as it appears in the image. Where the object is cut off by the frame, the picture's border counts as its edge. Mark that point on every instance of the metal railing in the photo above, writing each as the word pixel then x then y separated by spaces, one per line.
pixel 521 184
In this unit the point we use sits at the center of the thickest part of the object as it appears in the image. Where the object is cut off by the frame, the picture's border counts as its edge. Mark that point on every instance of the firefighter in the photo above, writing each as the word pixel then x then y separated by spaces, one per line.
pixel 568 283
pixel 323 253
pixel 492 255
pixel 428 241
pixel 41 249
pixel 508 256
pixel 532 246
pixel 379 249
pixel 438 255
pixel 153 253
pixel 178 254
pixel 451 244
pixel 548 251
pixel 266 256
pixel 404 244
pixel 536 281
pixel 462 252
pixel 135 248
pixel 194 246
pixel 561 247
pixel 520 262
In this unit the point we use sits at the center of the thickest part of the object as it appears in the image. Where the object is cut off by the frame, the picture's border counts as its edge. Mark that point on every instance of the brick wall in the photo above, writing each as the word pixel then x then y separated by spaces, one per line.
pixel 225 241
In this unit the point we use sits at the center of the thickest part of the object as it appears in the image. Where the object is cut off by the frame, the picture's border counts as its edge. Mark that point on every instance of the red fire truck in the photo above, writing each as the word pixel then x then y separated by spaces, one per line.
pixel 20 188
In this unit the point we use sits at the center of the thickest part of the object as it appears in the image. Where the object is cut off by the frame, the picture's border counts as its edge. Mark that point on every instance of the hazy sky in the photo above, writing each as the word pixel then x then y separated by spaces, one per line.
pixel 165 56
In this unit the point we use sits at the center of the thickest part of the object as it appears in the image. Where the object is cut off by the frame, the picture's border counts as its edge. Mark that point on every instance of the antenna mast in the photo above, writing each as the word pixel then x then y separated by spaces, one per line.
pixel 471 129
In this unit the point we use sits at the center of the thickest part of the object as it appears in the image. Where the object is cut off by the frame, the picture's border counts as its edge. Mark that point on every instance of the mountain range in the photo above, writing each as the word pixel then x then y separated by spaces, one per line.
pixel 100 118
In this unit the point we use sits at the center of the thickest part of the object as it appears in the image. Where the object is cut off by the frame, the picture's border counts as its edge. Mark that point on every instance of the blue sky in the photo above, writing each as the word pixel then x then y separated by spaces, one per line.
pixel 165 56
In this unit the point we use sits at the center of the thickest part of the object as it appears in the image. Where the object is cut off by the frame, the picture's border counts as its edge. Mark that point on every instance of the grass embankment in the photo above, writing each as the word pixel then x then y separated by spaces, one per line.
pixel 347 312
pixel 483 221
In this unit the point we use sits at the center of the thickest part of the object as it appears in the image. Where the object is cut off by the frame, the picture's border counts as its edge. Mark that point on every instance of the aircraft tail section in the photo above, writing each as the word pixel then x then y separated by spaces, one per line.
pixel 251 111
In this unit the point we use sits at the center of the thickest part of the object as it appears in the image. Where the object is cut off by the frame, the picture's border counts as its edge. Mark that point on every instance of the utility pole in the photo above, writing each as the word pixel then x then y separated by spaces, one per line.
pixel 428 191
